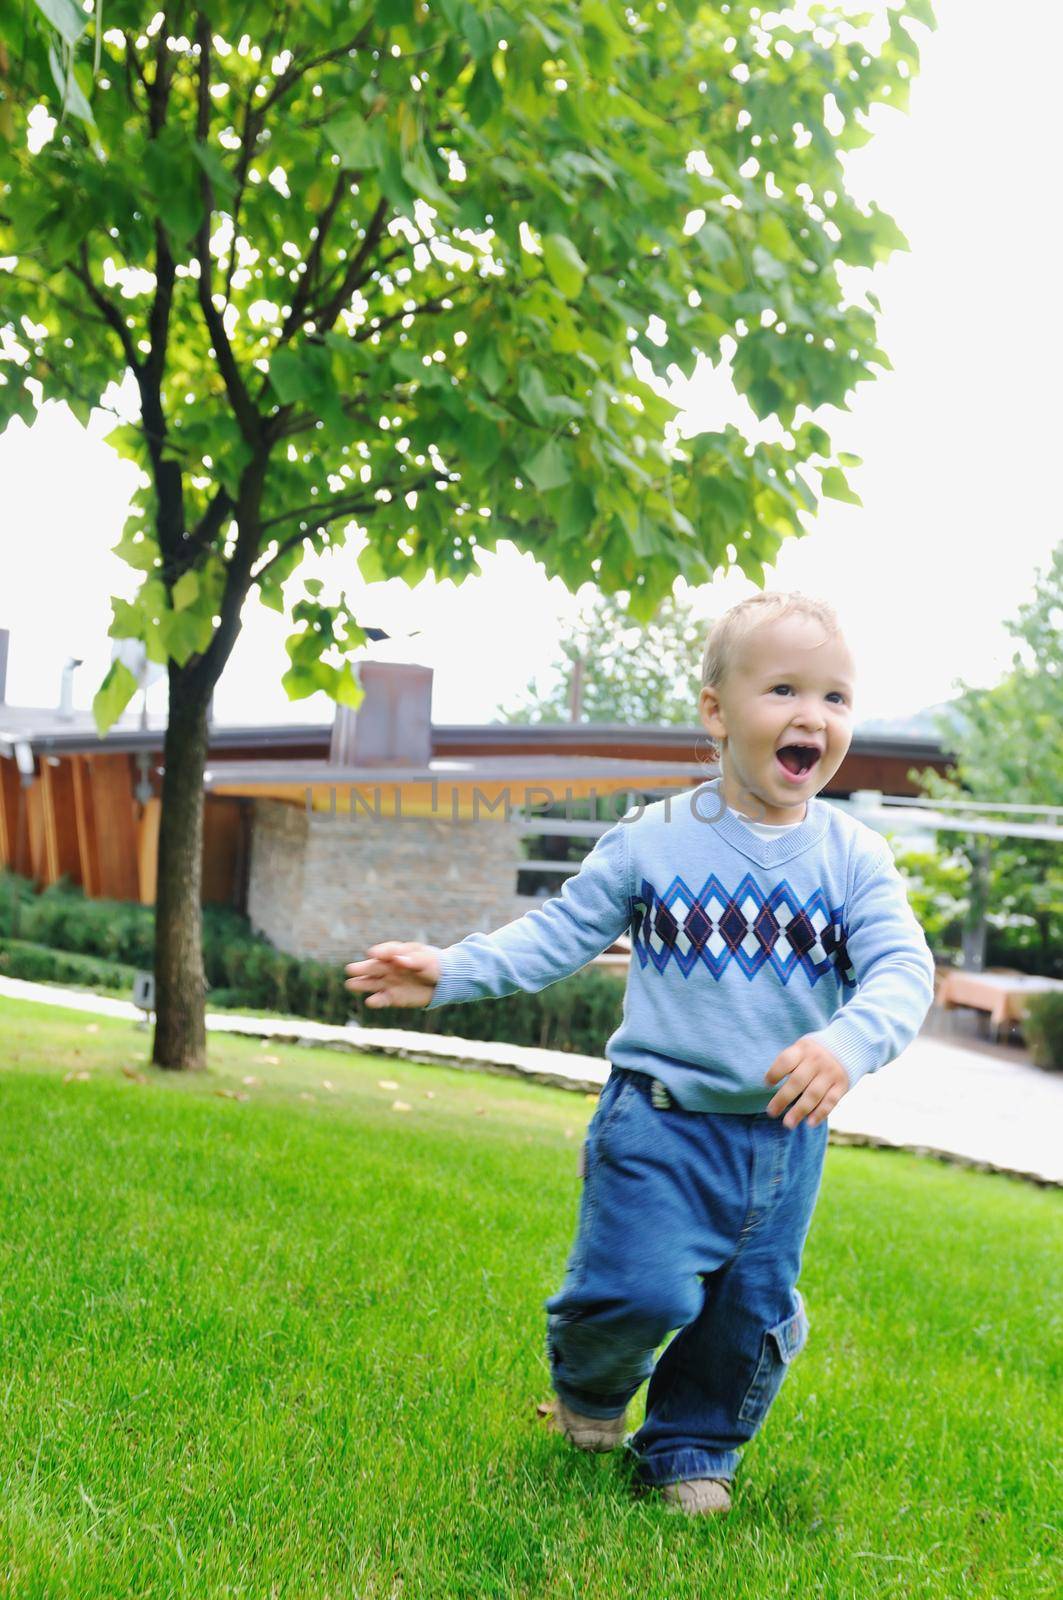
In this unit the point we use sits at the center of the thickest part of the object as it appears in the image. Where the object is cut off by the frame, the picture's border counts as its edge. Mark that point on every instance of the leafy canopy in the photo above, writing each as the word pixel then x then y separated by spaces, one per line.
pixel 421 270
pixel 1006 748
pixel 636 676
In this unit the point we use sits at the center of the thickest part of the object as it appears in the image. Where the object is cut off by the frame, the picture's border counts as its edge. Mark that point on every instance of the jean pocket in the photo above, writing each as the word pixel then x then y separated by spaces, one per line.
pixel 625 1096
pixel 779 1345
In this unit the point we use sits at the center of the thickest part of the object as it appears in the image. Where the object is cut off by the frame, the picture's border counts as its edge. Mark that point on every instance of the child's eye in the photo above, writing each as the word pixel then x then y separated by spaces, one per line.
pixel 835 692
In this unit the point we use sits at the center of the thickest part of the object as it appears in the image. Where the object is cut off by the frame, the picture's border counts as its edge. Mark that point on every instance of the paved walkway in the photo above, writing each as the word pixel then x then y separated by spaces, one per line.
pixel 945 1096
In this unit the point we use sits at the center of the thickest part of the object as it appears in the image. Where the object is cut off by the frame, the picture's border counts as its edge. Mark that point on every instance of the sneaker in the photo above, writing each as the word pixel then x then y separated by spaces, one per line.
pixel 699 1495
pixel 586 1433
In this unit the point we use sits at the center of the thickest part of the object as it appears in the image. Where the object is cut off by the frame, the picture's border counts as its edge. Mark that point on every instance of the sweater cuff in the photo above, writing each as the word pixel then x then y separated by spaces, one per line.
pixel 850 1046
pixel 457 970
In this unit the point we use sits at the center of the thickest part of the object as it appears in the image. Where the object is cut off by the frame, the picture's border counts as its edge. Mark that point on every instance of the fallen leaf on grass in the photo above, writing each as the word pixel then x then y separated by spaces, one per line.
pixel 92 1027
pixel 481 1111
pixel 400 1105
pixel 76 1077
pixel 134 1073
pixel 386 1083
pixel 231 1094
pixel 267 1061
pixel 251 1081
pixel 306 1095
pixel 331 1087
pixel 568 1133
pixel 429 1094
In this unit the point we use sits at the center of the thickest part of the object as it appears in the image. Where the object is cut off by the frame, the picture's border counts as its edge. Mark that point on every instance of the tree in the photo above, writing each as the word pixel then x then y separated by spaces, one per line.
pixel 420 271
pixel 628 673
pixel 1007 748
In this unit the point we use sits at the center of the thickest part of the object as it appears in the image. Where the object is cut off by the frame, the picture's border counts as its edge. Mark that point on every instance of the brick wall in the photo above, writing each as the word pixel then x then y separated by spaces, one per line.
pixel 329 887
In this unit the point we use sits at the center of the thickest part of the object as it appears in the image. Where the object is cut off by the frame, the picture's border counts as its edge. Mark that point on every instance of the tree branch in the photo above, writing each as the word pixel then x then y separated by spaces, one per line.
pixel 159 317
pixel 253 119
pixel 378 266
pixel 320 512
pixel 86 399
pixel 301 297
pixel 239 398
pixel 199 539
pixel 427 307
pixel 108 311
pixel 308 420
pixel 159 90
pixel 299 68
pixel 327 314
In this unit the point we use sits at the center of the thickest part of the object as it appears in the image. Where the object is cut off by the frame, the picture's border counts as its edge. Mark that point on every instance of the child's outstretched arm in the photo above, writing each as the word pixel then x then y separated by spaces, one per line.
pixel 590 911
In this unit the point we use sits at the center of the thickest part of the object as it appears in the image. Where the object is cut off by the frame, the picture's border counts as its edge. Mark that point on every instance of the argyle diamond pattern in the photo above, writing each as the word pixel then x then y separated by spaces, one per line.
pixel 714 928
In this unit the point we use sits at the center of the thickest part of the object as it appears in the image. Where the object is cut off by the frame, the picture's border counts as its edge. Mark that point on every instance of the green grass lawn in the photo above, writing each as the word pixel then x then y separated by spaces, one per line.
pixel 292 1346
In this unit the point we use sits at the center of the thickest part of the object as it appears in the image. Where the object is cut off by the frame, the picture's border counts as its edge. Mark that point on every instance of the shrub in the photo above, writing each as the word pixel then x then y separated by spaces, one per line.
pixel 102 942
pixel 36 963
pixel 1042 1029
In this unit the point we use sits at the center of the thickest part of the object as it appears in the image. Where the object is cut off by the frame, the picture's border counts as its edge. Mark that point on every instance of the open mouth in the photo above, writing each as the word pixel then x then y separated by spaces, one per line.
pixel 797 760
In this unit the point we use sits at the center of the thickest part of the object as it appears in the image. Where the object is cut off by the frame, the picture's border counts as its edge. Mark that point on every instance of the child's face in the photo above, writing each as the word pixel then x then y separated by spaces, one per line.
pixel 788 684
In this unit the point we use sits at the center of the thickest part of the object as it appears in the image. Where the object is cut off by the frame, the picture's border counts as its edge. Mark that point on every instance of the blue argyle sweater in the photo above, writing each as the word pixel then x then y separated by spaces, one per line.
pixel 741 944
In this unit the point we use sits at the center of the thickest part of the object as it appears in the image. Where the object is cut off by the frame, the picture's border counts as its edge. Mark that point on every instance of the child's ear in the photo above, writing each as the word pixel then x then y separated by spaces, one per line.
pixel 710 713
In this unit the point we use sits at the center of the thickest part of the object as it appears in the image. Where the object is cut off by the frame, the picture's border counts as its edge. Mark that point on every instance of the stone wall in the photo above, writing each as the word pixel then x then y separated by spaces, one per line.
pixel 330 886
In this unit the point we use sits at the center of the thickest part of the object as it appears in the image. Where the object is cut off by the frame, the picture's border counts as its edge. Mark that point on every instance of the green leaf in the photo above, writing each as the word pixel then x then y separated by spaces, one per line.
pixel 370 565
pixel 66 18
pixel 544 407
pixel 564 263
pixel 921 10
pixel 185 591
pixel 488 366
pixel 835 487
pixel 72 98
pixel 483 95
pixel 296 375
pixel 348 691
pixel 140 554
pixel 548 468
pixel 113 695
pixel 394 13
pixel 222 180
pixel 353 140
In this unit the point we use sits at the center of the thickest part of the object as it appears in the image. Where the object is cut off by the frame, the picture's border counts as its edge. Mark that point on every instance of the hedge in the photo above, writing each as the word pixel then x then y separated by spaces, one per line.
pixel 58 936
pixel 36 963
pixel 1042 1030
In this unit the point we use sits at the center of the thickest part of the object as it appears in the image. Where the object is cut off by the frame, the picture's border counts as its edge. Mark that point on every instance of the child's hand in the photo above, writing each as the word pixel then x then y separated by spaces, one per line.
pixel 817 1080
pixel 395 974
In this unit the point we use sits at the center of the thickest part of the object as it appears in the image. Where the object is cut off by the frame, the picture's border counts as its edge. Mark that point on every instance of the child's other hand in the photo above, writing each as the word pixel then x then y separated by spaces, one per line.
pixel 395 974
pixel 816 1082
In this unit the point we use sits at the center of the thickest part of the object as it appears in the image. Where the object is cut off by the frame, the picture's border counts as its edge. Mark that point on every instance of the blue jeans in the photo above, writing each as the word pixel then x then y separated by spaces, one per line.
pixel 688 1220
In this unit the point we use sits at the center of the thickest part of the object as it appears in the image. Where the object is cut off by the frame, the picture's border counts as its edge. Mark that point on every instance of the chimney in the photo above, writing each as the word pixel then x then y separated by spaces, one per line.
pixel 66 694
pixel 5 637
pixel 393 725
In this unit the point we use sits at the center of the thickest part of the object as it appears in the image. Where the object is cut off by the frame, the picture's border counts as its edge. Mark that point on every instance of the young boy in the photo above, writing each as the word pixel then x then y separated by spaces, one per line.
pixel 775 960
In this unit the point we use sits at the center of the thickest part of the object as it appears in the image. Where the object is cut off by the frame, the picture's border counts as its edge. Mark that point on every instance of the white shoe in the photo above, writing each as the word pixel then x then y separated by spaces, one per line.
pixel 699 1495
pixel 586 1433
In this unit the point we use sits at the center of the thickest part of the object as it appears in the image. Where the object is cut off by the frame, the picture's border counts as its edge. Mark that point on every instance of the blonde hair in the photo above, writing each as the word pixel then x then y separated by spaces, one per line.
pixel 740 621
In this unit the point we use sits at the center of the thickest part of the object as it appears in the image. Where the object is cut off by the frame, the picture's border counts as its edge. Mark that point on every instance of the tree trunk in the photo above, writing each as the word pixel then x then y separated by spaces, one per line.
pixel 180 986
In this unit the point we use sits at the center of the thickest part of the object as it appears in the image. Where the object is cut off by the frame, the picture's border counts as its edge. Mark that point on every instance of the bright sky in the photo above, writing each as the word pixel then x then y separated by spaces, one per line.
pixel 957 444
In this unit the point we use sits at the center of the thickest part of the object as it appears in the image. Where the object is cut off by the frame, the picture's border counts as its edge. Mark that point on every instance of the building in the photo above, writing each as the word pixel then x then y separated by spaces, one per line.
pixel 380 825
